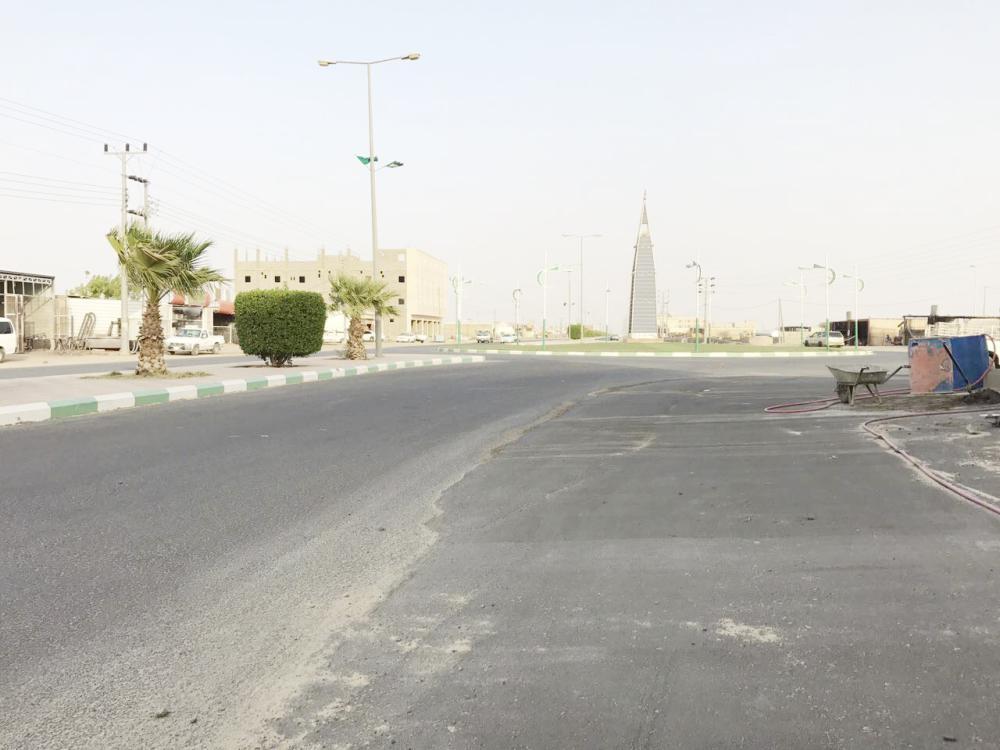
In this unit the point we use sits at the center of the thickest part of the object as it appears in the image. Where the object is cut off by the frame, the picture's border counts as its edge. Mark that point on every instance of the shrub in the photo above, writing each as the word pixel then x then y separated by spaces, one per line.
pixel 278 324
pixel 574 332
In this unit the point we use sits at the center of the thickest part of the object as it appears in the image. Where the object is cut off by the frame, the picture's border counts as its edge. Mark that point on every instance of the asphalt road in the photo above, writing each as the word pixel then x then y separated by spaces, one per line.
pixel 516 554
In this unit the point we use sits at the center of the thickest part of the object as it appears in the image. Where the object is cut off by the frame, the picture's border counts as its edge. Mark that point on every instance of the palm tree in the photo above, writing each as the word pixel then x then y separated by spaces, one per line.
pixel 354 297
pixel 158 264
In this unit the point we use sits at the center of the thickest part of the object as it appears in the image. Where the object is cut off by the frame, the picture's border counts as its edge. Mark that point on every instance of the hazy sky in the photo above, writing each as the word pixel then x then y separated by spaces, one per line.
pixel 767 135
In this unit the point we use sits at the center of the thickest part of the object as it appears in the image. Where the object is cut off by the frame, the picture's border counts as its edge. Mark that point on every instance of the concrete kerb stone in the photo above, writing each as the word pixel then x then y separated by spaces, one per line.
pixel 41 411
pixel 699 355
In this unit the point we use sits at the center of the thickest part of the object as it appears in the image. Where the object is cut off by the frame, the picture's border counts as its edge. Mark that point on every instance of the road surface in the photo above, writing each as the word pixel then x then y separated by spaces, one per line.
pixel 518 554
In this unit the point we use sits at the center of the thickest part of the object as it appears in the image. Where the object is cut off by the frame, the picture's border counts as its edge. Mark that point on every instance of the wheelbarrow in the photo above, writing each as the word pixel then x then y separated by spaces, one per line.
pixel 870 376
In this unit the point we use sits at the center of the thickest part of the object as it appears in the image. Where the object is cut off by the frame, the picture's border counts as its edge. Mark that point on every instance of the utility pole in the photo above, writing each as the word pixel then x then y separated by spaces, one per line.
pixel 123 325
pixel 145 200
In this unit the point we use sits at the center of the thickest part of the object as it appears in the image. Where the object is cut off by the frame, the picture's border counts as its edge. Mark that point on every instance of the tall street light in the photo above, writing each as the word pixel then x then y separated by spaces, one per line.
pixel 458 282
pixel 607 328
pixel 801 284
pixel 830 280
pixel 581 237
pixel 859 286
pixel 697 298
pixel 371 169
pixel 543 282
pixel 516 294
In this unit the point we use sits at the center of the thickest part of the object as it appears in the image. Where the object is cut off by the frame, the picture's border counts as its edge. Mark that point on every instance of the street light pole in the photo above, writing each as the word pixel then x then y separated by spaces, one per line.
pixel 517 296
pixel 697 298
pixel 371 171
pixel 581 237
pixel 607 325
pixel 859 286
pixel 457 282
pixel 829 283
pixel 543 281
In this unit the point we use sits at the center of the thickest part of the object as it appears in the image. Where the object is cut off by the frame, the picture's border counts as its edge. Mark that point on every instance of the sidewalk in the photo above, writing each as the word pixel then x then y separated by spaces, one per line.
pixel 35 399
pixel 113 359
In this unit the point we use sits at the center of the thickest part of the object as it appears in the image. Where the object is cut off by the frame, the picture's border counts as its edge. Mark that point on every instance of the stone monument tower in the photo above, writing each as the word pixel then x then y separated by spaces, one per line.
pixel 642 296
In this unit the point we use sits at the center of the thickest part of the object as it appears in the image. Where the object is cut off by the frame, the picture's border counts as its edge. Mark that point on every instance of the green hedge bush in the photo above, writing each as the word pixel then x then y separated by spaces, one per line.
pixel 279 324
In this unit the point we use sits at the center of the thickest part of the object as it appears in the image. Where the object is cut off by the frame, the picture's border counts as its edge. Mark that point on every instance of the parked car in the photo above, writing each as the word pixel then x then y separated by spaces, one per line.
pixel 370 336
pixel 8 338
pixel 484 337
pixel 819 339
pixel 614 337
pixel 194 341
pixel 508 338
pixel 406 338
pixel 333 337
pixel 421 338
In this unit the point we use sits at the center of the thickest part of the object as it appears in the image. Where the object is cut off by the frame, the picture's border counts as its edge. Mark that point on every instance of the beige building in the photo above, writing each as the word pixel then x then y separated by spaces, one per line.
pixel 419 282
pixel 673 327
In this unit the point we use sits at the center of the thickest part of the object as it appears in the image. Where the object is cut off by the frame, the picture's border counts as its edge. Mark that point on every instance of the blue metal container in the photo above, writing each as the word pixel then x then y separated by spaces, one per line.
pixel 947 363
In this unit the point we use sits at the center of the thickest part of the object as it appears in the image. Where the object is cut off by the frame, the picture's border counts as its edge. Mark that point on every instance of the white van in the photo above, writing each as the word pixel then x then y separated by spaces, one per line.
pixel 8 338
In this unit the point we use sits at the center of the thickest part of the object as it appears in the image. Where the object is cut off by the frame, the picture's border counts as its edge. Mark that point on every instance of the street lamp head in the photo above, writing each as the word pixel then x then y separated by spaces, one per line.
pixel 326 63
pixel 411 56
pixel 394 164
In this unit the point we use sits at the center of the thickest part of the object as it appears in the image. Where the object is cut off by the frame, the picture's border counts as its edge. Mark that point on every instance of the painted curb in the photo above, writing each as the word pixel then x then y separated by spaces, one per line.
pixel 682 355
pixel 41 411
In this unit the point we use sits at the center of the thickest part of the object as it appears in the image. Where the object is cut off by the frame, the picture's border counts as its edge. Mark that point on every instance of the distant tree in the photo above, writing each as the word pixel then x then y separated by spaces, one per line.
pixel 101 287
pixel 158 264
pixel 354 297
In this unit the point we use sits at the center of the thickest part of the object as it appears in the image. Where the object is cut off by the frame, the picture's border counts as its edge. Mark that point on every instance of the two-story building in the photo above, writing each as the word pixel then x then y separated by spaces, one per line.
pixel 418 281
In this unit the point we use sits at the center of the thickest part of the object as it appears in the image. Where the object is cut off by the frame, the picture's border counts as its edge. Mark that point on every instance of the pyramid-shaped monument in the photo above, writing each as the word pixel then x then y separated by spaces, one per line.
pixel 642 296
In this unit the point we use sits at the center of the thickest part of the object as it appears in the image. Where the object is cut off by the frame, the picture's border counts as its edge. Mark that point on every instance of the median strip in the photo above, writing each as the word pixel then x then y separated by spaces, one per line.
pixel 700 355
pixel 41 411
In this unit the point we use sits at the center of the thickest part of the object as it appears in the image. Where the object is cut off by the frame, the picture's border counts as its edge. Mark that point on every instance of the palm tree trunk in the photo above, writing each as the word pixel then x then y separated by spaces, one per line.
pixel 355 343
pixel 151 361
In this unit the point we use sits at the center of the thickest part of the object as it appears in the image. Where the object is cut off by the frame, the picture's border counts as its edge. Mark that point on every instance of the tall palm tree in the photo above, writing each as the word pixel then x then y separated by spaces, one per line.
pixel 159 264
pixel 354 297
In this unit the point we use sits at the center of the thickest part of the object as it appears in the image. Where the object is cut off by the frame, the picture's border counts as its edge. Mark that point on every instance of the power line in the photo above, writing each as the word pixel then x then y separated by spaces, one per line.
pixel 56 156
pixel 55 130
pixel 87 125
pixel 18 196
pixel 56 179
pixel 36 184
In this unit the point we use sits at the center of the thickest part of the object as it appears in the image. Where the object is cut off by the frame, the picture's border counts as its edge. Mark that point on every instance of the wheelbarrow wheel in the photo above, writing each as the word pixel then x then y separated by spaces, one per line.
pixel 844 393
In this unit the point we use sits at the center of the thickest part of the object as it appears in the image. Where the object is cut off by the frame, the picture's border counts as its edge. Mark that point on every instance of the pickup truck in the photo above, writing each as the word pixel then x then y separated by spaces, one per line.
pixel 193 341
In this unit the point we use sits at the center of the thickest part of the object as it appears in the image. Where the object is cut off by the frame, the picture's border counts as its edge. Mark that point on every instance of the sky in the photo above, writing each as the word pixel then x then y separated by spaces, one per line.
pixel 766 135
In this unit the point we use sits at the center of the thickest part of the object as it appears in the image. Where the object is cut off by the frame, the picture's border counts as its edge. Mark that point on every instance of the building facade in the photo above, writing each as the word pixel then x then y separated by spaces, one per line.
pixel 417 280
pixel 642 293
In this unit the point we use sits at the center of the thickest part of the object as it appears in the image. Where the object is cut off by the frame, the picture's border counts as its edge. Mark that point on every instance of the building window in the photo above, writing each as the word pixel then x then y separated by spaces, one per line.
pixel 401 301
pixel 302 279
pixel 246 279
pixel 277 279
pixel 392 320
pixel 402 279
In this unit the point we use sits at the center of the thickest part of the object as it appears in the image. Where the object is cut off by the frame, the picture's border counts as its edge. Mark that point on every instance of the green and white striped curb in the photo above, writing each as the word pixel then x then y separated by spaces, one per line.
pixel 682 355
pixel 41 411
